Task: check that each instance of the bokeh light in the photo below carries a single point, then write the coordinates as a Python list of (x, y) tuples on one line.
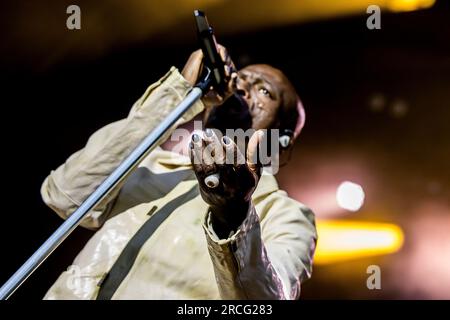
[(350, 196)]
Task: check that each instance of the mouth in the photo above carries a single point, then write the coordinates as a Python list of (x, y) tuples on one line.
[(234, 113)]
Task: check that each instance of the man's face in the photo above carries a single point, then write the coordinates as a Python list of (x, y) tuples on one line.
[(255, 104)]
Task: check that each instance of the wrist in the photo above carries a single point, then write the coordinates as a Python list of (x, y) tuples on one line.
[(227, 219)]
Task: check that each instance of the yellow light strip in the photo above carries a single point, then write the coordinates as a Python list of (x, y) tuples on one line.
[(346, 240), (409, 5)]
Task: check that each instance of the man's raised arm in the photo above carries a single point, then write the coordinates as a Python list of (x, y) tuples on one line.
[(71, 183)]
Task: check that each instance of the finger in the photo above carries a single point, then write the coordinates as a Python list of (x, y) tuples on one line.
[(204, 152), (232, 66), (232, 153), (226, 60), (223, 52), (193, 66), (232, 84), (227, 71), (252, 150), (214, 151), (196, 166), (196, 152), (196, 56), (198, 161)]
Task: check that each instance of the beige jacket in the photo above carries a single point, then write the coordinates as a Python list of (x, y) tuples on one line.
[(182, 258)]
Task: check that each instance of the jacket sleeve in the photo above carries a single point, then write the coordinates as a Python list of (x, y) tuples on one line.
[(270, 255), (71, 183)]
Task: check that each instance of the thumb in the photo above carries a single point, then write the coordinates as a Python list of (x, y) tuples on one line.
[(193, 67), (252, 150)]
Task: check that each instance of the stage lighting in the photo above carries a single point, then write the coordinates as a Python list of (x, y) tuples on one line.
[(346, 240), (350, 196), (409, 5)]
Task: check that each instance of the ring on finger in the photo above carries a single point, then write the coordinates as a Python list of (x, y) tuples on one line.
[(212, 181)]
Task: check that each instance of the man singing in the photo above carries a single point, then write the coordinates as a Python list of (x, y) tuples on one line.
[(185, 224)]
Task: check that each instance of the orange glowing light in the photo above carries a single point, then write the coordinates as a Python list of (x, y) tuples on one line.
[(409, 5), (346, 240)]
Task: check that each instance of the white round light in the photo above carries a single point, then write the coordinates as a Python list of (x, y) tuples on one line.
[(350, 196)]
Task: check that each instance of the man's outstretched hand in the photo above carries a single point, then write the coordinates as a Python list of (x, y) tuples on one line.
[(238, 177)]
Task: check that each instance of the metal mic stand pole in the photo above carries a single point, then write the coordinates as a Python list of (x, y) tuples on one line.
[(138, 154)]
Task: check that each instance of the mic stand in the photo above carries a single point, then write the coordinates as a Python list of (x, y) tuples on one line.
[(136, 156)]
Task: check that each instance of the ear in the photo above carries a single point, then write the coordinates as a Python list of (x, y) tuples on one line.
[(301, 118)]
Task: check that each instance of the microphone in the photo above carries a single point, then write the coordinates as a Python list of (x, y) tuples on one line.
[(208, 44), (213, 61)]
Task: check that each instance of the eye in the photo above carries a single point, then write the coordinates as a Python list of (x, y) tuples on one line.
[(265, 92)]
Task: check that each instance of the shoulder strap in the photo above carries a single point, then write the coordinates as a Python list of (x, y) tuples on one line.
[(123, 264)]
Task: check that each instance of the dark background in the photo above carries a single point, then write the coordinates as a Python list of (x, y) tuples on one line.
[(377, 104)]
